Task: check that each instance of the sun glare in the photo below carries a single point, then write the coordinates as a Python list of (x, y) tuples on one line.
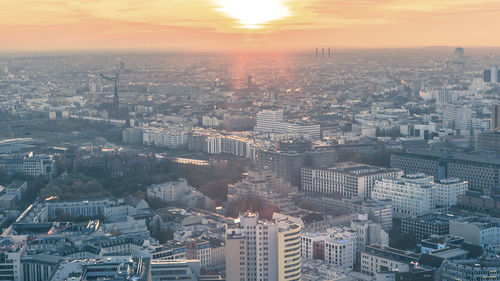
[(253, 13)]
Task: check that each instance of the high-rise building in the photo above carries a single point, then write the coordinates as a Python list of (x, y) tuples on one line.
[(259, 250), (492, 75), (495, 117)]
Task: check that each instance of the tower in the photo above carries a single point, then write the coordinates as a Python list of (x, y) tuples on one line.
[(329, 52), (116, 100), (495, 118), (263, 250), (322, 52), (249, 82)]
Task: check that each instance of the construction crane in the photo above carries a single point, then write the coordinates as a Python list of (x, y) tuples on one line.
[(116, 100)]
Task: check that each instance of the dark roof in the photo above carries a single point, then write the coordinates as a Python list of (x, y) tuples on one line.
[(313, 217), (431, 260), (474, 250)]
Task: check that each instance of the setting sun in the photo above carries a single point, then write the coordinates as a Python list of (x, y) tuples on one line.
[(254, 14)]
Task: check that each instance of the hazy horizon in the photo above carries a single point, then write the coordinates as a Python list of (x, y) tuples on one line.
[(221, 25)]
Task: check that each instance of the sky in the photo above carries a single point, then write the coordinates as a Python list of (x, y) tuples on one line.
[(225, 25)]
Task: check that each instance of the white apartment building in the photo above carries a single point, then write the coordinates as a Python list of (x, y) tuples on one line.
[(29, 163), (347, 179), (174, 139), (337, 246), (270, 121), (340, 252), (310, 241), (263, 250), (368, 233), (415, 195), (448, 190), (482, 232), (169, 191), (378, 258)]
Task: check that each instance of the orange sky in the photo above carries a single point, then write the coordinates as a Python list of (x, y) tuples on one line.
[(207, 25)]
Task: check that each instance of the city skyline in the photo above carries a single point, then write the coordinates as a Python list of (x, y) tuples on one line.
[(220, 25)]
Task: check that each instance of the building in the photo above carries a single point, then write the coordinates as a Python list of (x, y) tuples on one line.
[(174, 138), (379, 211), (346, 179), (488, 141), (482, 172), (259, 182), (418, 163), (495, 117), (473, 269), (309, 221), (492, 75), (340, 252), (39, 267), (422, 227), (175, 270), (169, 191), (11, 252), (368, 233), (17, 188), (29, 163), (313, 245), (180, 250), (270, 121), (448, 192), (263, 250), (411, 195), (336, 247), (132, 136), (478, 231), (378, 258), (299, 145), (415, 195), (477, 201)]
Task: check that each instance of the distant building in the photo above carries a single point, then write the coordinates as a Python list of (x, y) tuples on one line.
[(132, 136), (415, 195), (346, 179), (473, 269), (179, 250), (269, 121), (178, 191), (495, 117), (378, 258), (288, 164), (488, 142), (17, 188), (482, 232), (29, 163), (425, 226), (492, 75), (482, 172), (182, 270)]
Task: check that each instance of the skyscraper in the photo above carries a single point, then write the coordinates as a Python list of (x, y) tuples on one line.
[(495, 118), (259, 250)]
